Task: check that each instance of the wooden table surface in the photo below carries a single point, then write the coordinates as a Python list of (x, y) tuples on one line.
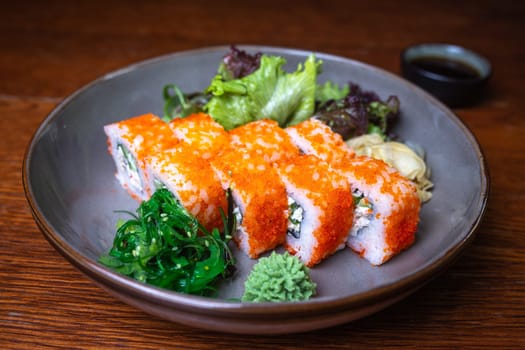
[(51, 48)]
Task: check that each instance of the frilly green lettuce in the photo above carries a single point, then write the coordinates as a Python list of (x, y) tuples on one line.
[(330, 91), (267, 93)]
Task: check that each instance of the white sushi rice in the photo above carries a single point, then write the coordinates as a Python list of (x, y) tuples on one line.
[(306, 241), (130, 176), (301, 142), (370, 238), (240, 235)]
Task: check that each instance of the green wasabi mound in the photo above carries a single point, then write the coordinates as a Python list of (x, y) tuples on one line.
[(279, 277)]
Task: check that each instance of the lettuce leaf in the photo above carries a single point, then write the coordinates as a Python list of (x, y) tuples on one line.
[(330, 91), (267, 93), (359, 112)]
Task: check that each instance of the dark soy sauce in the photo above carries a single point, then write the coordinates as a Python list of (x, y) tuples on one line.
[(446, 67)]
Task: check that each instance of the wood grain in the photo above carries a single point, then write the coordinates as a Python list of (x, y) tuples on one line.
[(49, 49)]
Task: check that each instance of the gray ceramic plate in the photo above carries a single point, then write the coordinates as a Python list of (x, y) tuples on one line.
[(69, 183)]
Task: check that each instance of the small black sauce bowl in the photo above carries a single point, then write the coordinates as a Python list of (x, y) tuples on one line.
[(455, 75)]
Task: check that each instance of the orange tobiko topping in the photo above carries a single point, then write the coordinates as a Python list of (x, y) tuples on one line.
[(330, 193), (318, 139), (200, 132), (147, 134), (266, 139), (195, 184), (257, 185)]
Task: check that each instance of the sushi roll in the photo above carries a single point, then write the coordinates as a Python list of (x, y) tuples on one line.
[(386, 203), (266, 139), (200, 132), (314, 137), (387, 209), (192, 181), (130, 142), (320, 208), (260, 201)]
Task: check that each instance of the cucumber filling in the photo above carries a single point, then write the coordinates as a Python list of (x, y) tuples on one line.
[(129, 169), (295, 218), (363, 213), (237, 213)]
